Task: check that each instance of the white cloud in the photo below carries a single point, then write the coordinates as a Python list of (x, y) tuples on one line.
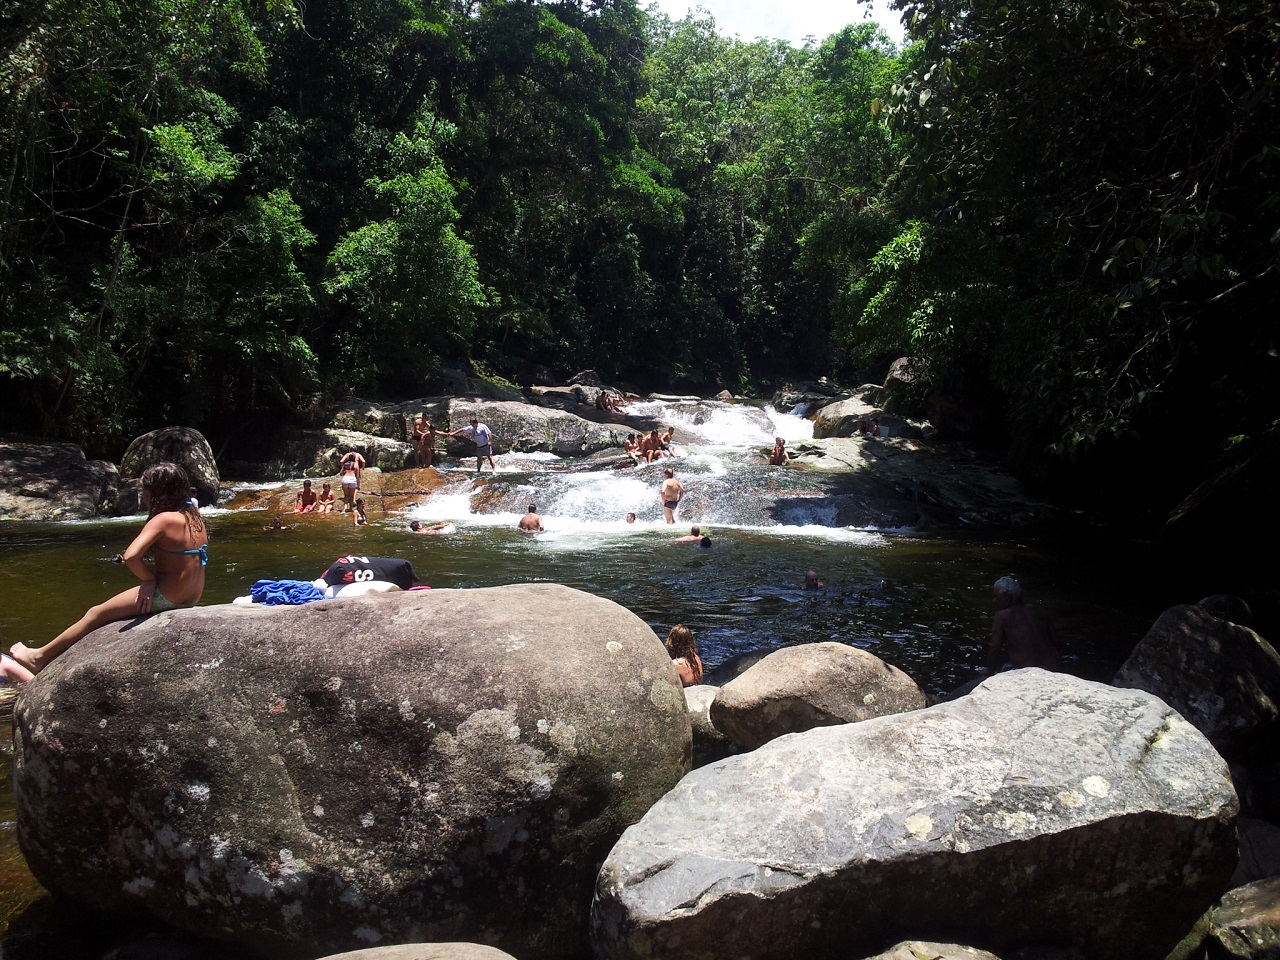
[(790, 20)]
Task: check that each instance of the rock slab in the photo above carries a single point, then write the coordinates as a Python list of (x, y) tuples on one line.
[(810, 685), (1222, 677), (1039, 808), (450, 765), (54, 481)]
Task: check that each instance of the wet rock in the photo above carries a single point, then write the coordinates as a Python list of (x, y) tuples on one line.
[(1224, 678), (54, 481), (940, 483), (1246, 923), (181, 445), (425, 951), (1041, 809), (735, 666), (811, 685), (411, 767), (709, 744)]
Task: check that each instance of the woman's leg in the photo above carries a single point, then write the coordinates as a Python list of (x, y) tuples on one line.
[(123, 606)]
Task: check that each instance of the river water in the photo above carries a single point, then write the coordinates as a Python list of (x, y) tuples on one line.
[(920, 602)]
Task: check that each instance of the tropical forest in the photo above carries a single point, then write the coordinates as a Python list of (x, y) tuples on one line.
[(1064, 214)]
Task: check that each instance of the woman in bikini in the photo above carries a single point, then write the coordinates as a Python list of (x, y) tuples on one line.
[(176, 538), (684, 654)]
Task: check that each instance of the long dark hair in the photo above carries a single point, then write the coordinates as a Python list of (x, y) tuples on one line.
[(168, 488)]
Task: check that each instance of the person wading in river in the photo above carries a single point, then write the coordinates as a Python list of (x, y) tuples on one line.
[(671, 493)]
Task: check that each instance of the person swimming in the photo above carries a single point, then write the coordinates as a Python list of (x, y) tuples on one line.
[(178, 542)]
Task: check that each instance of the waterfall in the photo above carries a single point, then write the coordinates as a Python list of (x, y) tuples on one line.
[(720, 458)]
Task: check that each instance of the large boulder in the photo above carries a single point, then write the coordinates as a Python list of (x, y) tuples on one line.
[(54, 481), (181, 445), (1040, 808), (810, 685), (1221, 676), (391, 421), (840, 419), (410, 767), (527, 428)]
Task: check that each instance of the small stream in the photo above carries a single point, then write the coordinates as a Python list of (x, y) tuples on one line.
[(922, 603)]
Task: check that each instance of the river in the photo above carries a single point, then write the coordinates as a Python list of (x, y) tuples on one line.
[(921, 602)]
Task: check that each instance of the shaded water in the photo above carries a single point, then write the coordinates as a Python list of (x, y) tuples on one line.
[(921, 603)]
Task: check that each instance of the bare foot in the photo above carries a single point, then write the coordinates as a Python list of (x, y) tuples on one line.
[(25, 658), (11, 669)]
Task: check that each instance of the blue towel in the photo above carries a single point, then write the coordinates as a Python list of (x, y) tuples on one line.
[(276, 592)]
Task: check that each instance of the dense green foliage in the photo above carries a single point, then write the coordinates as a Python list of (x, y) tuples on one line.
[(224, 213)]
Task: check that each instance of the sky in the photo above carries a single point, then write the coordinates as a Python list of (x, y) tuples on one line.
[(790, 20)]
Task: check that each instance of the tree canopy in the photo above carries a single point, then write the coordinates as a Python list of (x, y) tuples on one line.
[(225, 213)]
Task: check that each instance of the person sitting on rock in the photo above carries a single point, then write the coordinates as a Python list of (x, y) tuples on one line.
[(324, 503), (778, 456), (306, 499), (1021, 636), (176, 539), (684, 654)]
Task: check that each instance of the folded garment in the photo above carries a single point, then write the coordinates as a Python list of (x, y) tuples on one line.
[(276, 592)]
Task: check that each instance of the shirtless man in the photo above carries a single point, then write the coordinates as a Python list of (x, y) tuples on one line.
[(695, 536), (671, 493), (1020, 635), (306, 499), (531, 522)]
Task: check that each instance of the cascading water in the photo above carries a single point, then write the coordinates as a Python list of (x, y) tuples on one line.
[(720, 459)]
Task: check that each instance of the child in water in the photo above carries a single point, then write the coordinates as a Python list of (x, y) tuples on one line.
[(358, 517), (176, 538)]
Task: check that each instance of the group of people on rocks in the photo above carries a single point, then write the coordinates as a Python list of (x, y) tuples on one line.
[(608, 403), (648, 447)]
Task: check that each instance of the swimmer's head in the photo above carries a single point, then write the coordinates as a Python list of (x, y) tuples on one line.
[(1007, 588), (415, 526), (631, 518), (705, 543)]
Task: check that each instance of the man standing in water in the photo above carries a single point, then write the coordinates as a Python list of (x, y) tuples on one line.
[(483, 438), (531, 522), (671, 493), (1020, 635)]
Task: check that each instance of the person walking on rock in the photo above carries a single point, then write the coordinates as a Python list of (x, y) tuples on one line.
[(483, 438)]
